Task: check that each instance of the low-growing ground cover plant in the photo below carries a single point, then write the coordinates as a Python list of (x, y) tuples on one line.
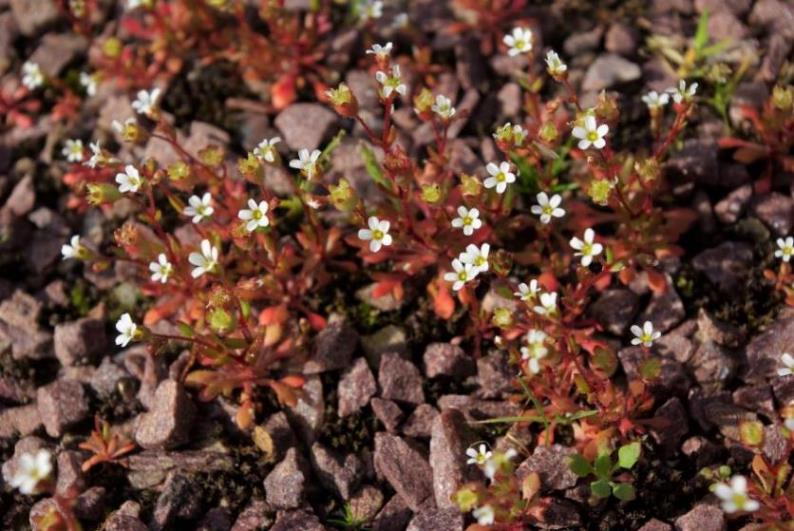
[(240, 271)]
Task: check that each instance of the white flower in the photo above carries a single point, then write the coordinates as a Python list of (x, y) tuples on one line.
[(734, 496), (130, 180), (497, 461), (89, 83), (468, 219), (535, 349), (98, 157), (146, 102), (591, 134), (31, 470), (462, 273), (120, 127), (266, 150), (255, 215), (372, 9), (133, 4), (644, 336), (785, 248), (548, 304), (788, 365), (391, 83), (476, 256), (306, 162), (443, 107), (654, 100), (527, 293), (484, 515), (548, 208), (206, 261), (682, 92), (381, 52), (32, 76), (161, 269), (519, 41), (74, 249), (500, 176), (200, 207), (127, 330), (377, 234), (789, 424), (586, 248), (478, 456), (555, 66), (73, 150)]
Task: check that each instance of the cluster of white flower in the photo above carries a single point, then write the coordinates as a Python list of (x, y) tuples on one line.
[(681, 93), (490, 463), (468, 264)]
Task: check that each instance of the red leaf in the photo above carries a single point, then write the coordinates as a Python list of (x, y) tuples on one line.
[(443, 303), (317, 321), (274, 315), (283, 92), (163, 310), (656, 281)]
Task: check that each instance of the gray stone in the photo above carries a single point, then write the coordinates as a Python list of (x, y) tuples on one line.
[(448, 443), (333, 348), (285, 486), (609, 70), (340, 474), (405, 468), (167, 425), (442, 519), (61, 404), (79, 342), (701, 518), (356, 386), (446, 359), (400, 380), (308, 415), (304, 125), (551, 464)]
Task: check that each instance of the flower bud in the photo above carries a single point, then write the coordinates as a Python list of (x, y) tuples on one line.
[(431, 193), (102, 193), (178, 171), (343, 100), (343, 197), (112, 47), (423, 104)]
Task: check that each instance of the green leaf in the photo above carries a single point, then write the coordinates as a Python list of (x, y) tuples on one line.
[(185, 329), (701, 38), (603, 466), (624, 491), (601, 488), (629, 454), (372, 166), (580, 466)]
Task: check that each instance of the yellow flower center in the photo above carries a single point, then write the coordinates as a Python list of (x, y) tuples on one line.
[(467, 220), (463, 276), (501, 177), (377, 234), (592, 136)]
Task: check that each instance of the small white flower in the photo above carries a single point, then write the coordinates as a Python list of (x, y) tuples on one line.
[(255, 215), (443, 107), (734, 496), (484, 515), (89, 83), (478, 456), (391, 82), (146, 102), (654, 100), (134, 4), (381, 52), (554, 65), (73, 150), (500, 176), (161, 269), (682, 92), (591, 134), (372, 9), (548, 304), (476, 256), (206, 261), (535, 349), (32, 76), (130, 180), (306, 162), (468, 219), (98, 157), (527, 292), (788, 365), (644, 336), (199, 207), (789, 424), (74, 249), (377, 234), (462, 273), (586, 248), (266, 150), (785, 248), (548, 207), (31, 470), (127, 329), (497, 461), (518, 42), (120, 127)]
